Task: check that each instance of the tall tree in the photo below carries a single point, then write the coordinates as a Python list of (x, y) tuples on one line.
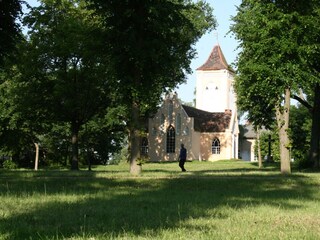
[(271, 64), (310, 50), (64, 68), (10, 31), (15, 134), (151, 46), (284, 37)]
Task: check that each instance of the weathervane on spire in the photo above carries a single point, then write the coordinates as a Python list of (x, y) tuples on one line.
[(216, 35)]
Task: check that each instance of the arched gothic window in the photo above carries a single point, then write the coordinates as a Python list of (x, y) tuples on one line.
[(144, 146), (216, 146), (171, 139), (186, 131)]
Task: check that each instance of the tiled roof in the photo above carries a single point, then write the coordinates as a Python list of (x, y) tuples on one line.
[(248, 131), (216, 61), (207, 121)]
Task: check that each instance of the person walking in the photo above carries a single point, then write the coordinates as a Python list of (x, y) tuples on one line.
[(182, 157)]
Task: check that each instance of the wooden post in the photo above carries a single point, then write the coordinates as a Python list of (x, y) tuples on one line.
[(37, 157), (269, 148), (259, 148)]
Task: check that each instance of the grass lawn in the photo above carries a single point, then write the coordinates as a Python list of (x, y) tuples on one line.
[(221, 200)]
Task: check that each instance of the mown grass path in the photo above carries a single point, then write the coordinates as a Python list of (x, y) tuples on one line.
[(221, 200)]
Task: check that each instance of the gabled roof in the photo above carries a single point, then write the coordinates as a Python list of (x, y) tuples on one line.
[(207, 121), (216, 61), (248, 131)]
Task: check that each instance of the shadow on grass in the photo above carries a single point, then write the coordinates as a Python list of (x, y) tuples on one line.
[(215, 167), (59, 208)]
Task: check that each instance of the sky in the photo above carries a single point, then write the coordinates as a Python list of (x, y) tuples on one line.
[(223, 10)]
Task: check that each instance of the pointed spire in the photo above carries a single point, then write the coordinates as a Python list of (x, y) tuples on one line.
[(216, 60)]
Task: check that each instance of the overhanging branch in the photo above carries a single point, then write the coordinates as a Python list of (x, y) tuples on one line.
[(302, 101)]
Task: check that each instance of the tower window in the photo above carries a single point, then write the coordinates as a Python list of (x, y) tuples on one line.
[(216, 146), (171, 139)]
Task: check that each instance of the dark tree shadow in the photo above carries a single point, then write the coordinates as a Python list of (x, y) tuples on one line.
[(110, 207)]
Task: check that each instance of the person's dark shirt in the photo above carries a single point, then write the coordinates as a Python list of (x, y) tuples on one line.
[(183, 154)]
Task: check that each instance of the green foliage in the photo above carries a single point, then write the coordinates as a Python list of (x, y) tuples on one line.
[(84, 68), (150, 46), (272, 56), (149, 55), (280, 45), (63, 68), (102, 136), (55, 145), (299, 134), (10, 32), (143, 160), (16, 134), (303, 162), (300, 128), (120, 157), (63, 51), (9, 164), (274, 145)]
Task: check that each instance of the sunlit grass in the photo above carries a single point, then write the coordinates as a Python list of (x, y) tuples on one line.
[(221, 200)]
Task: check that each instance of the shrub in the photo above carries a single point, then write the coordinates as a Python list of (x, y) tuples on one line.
[(304, 162), (9, 164)]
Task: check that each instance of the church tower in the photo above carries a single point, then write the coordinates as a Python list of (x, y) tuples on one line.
[(209, 131), (214, 84)]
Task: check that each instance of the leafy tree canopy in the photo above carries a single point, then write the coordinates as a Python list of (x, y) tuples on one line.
[(150, 46), (64, 67), (274, 53), (10, 11)]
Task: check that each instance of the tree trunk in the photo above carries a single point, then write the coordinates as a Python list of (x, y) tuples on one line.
[(89, 159), (36, 161), (259, 149), (282, 114), (135, 168), (75, 146), (315, 129)]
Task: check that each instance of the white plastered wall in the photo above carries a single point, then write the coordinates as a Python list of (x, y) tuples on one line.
[(214, 91)]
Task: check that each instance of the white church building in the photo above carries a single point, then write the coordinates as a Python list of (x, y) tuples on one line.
[(210, 130)]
